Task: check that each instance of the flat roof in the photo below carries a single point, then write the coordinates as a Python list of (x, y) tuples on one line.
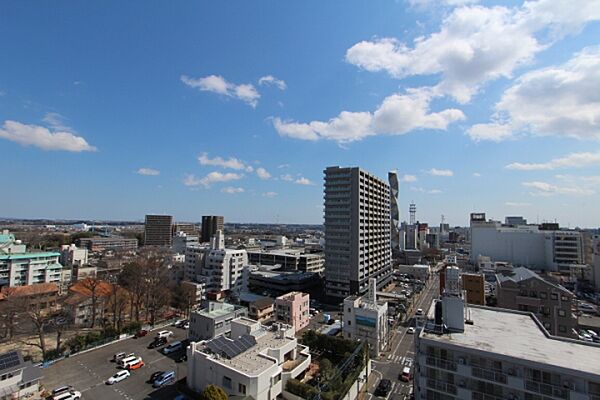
[(517, 335), (221, 309), (17, 256), (252, 361)]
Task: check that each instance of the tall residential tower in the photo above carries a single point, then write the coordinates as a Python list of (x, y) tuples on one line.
[(357, 231), (210, 225)]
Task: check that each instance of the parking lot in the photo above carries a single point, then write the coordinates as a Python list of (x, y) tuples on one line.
[(88, 372)]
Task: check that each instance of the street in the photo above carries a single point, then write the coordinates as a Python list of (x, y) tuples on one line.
[(390, 364), (88, 372)]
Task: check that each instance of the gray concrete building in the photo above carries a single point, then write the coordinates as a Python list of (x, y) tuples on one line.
[(357, 231), (524, 290), (158, 230), (214, 320), (288, 259)]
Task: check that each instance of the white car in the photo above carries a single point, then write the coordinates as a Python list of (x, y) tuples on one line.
[(164, 334), (410, 330), (70, 395), (118, 377)]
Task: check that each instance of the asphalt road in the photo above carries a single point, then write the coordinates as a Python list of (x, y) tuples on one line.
[(88, 372), (402, 348)]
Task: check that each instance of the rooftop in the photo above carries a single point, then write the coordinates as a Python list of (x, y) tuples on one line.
[(216, 309), (17, 256), (518, 335), (521, 274), (253, 361)]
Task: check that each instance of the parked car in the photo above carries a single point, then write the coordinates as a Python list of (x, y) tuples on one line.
[(163, 379), (173, 347), (122, 363), (155, 375), (178, 322), (141, 333), (62, 389), (157, 343), (419, 311), (136, 365), (383, 388), (119, 356), (70, 395), (186, 325), (164, 334), (118, 377), (405, 375), (410, 330)]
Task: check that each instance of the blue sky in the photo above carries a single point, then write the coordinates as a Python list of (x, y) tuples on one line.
[(117, 109)]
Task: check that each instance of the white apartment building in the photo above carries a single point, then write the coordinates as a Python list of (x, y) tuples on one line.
[(529, 245), (182, 240), (503, 354), (225, 269), (365, 320), (357, 231), (71, 255), (19, 268), (255, 362), (193, 261)]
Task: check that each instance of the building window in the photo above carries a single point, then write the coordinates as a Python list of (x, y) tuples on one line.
[(349, 323), (241, 388), (554, 296), (561, 313), (543, 295), (227, 382)]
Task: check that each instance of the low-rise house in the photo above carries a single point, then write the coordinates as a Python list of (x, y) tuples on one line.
[(18, 379), (256, 362), (81, 298), (262, 309), (42, 296)]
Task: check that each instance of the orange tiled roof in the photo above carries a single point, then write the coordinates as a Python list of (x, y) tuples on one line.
[(29, 290), (103, 288)]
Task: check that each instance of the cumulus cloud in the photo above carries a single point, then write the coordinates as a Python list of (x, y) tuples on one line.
[(231, 163), (262, 173), (271, 80), (269, 194), (476, 44), (440, 172), (398, 114), (217, 84), (232, 190), (573, 160), (547, 189), (303, 181), (560, 100), (408, 178), (148, 171), (44, 138), (209, 179)]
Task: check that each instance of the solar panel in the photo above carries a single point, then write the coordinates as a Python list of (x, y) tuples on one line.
[(9, 360), (231, 348)]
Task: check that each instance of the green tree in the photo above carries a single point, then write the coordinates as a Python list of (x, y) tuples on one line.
[(213, 392)]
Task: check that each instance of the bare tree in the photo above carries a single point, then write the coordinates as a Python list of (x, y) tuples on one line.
[(40, 320), (11, 310), (118, 300), (155, 275), (92, 285), (132, 279)]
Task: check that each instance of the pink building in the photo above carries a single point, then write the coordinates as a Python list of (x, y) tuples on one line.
[(293, 309)]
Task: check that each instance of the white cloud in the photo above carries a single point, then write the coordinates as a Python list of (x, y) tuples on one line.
[(494, 132), (283, 166), (304, 181), (426, 4), (398, 114), (217, 84), (559, 100), (231, 162), (440, 172), (419, 189), (262, 173), (476, 44), (408, 178), (39, 136), (573, 160), (57, 122), (547, 189), (476, 174), (148, 171), (269, 194), (434, 191), (271, 80), (516, 204), (232, 190), (286, 177), (209, 179)]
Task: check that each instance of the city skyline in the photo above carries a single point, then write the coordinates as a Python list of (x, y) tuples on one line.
[(201, 109)]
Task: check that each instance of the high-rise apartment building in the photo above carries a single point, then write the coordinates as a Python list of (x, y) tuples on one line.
[(210, 225), (357, 231), (158, 230)]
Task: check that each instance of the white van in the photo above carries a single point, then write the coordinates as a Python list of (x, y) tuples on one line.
[(72, 395), (126, 360), (164, 334), (173, 347)]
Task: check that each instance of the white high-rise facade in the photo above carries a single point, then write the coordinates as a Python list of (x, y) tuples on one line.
[(357, 231)]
